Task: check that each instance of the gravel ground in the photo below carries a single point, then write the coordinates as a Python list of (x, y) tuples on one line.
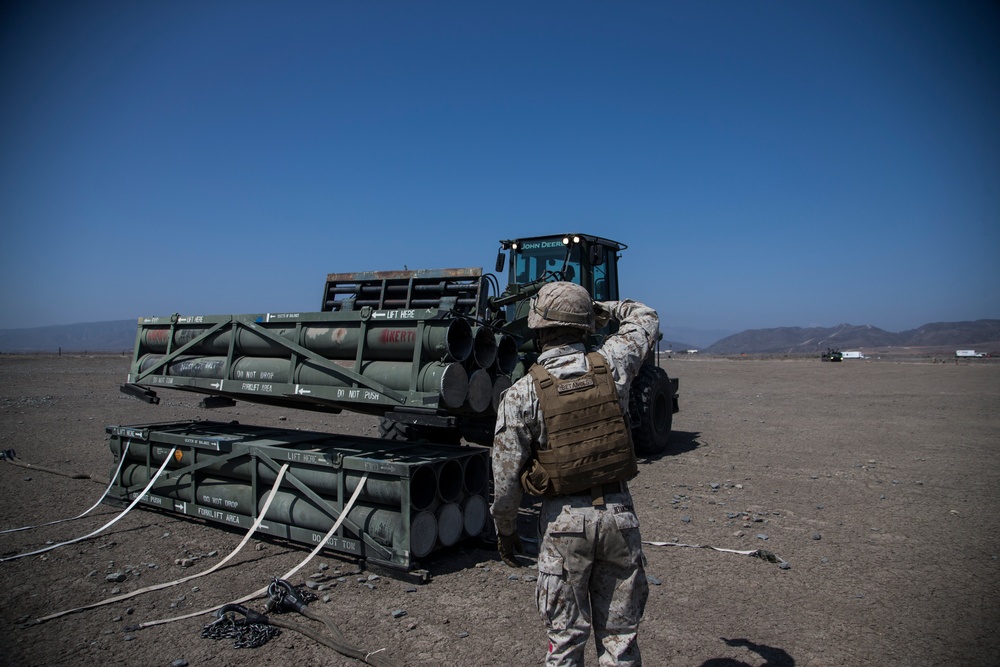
[(876, 481)]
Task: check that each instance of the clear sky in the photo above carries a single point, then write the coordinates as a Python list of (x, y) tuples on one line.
[(768, 163)]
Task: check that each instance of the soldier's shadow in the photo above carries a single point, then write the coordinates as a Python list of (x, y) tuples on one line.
[(773, 657), (681, 442)]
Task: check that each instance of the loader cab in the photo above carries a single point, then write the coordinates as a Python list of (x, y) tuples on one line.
[(589, 261)]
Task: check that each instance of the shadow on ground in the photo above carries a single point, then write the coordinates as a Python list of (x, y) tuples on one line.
[(681, 442), (773, 657)]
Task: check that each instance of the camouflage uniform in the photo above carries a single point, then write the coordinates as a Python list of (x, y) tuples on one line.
[(590, 563)]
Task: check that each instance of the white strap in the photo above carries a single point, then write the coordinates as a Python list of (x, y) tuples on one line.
[(156, 587), (114, 478), (105, 526), (750, 552), (287, 575)]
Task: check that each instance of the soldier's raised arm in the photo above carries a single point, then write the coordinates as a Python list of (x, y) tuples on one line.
[(638, 331)]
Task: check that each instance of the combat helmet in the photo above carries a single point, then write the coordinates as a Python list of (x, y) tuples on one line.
[(562, 304)]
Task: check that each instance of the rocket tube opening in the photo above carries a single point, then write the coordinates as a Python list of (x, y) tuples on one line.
[(480, 394), (450, 478), (473, 515), (501, 383), (459, 340), (423, 487), (477, 472), (506, 357), (423, 533), (484, 349), (453, 384), (450, 523)]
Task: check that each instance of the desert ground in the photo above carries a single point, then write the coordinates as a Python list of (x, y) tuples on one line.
[(877, 482)]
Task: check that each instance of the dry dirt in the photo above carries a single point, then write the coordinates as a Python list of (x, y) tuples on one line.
[(876, 481)]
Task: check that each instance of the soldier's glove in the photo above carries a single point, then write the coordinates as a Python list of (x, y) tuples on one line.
[(602, 315), (507, 545)]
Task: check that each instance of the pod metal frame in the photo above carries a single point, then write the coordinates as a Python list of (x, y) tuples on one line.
[(221, 472), (369, 361)]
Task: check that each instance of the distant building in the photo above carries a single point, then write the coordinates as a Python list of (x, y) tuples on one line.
[(969, 353), (853, 354)]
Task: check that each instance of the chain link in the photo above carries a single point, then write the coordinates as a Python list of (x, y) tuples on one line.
[(279, 591), (253, 635), (247, 635)]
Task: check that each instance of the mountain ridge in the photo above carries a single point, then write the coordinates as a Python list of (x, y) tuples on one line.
[(813, 340)]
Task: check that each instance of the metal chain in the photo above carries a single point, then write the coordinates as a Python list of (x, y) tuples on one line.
[(253, 635), (278, 591), (247, 635)]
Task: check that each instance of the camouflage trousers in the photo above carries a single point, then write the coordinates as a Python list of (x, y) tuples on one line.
[(591, 575)]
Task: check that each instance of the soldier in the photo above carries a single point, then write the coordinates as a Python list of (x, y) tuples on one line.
[(562, 433)]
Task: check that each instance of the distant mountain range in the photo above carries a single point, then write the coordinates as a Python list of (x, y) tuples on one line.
[(115, 336), (982, 335)]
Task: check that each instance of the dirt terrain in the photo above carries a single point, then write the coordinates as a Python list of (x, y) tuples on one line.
[(876, 481)]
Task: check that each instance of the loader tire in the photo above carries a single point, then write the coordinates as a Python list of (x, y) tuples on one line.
[(389, 429), (651, 410)]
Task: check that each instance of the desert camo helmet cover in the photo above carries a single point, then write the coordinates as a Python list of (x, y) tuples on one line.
[(562, 304)]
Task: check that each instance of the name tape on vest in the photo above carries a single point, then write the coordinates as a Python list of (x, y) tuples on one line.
[(574, 385)]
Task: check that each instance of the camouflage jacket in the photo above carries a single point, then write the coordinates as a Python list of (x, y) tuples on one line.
[(519, 422)]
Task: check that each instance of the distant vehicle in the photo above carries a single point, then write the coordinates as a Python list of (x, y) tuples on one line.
[(969, 353), (832, 354), (852, 354)]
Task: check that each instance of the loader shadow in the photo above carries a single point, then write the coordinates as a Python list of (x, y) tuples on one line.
[(773, 657), (681, 442)]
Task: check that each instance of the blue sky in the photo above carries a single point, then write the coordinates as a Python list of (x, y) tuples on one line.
[(767, 163)]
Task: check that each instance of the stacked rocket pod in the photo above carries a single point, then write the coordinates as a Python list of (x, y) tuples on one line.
[(417, 498)]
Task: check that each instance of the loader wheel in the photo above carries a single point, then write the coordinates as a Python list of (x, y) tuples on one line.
[(389, 429), (651, 410)]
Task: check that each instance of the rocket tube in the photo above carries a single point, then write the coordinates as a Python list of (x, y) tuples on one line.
[(484, 348), (450, 480), (506, 357), (480, 394), (155, 339), (385, 341), (501, 383), (450, 523), (188, 366), (449, 380), (477, 473), (473, 514), (441, 339)]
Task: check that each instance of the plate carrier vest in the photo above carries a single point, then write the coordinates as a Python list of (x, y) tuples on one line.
[(589, 442)]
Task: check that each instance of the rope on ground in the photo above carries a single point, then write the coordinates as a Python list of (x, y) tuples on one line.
[(763, 554), (288, 575), (156, 587), (53, 471), (105, 526), (73, 476)]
